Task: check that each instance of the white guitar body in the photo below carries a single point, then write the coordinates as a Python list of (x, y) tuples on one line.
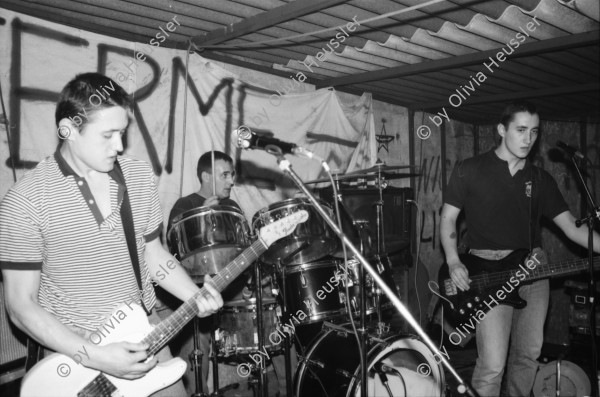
[(59, 375)]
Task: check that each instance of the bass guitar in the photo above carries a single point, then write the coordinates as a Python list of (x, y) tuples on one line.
[(495, 282), (60, 375)]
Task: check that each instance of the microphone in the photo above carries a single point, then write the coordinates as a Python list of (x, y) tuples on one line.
[(248, 139), (574, 152), (380, 369)]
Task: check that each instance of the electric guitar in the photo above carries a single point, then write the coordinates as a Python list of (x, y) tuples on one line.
[(59, 375), (495, 282)]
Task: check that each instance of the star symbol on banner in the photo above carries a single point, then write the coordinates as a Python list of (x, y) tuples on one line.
[(383, 139)]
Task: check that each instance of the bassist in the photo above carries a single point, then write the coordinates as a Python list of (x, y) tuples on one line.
[(504, 196)]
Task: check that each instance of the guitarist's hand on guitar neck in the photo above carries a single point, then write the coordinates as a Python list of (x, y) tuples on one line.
[(459, 274), (206, 305), (121, 359)]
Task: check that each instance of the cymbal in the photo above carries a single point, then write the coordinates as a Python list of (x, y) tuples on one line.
[(380, 168), (371, 172), (347, 177)]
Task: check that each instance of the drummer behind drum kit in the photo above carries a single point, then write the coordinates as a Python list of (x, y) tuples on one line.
[(317, 285)]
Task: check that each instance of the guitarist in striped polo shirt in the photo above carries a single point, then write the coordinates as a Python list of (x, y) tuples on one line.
[(504, 196), (72, 230)]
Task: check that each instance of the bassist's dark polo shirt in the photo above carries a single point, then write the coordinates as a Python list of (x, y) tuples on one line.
[(483, 186)]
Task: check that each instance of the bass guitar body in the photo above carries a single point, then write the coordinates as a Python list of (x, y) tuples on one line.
[(489, 278)]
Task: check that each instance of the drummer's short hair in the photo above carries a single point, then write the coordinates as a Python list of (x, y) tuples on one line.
[(205, 162)]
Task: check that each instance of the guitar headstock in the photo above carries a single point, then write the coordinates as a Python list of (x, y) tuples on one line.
[(282, 227)]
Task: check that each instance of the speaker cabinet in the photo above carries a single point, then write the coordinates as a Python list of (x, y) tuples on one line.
[(397, 216)]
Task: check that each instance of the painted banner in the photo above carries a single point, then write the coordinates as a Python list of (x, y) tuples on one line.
[(44, 56)]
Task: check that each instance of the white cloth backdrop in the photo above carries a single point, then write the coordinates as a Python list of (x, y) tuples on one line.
[(40, 57)]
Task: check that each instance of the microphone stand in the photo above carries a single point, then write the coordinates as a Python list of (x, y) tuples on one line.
[(286, 167), (590, 219)]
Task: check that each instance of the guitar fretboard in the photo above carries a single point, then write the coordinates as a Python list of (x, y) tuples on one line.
[(537, 273), (169, 327)]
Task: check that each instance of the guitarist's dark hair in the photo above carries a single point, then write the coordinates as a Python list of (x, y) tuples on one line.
[(515, 107)]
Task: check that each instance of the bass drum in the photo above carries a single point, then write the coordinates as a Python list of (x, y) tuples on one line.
[(331, 367)]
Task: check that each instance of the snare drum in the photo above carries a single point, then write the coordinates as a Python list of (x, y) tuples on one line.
[(206, 239), (332, 367), (310, 241), (311, 291), (237, 333)]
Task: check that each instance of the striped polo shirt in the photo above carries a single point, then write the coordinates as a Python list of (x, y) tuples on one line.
[(49, 220)]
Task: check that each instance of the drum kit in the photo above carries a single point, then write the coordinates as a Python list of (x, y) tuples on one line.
[(313, 284)]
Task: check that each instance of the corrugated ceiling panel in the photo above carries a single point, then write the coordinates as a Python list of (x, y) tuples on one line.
[(565, 18), (590, 9), (405, 47), (450, 28), (454, 33)]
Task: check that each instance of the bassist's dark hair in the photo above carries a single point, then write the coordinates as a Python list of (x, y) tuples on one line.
[(513, 108)]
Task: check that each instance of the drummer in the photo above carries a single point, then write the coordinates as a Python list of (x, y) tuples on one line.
[(207, 196)]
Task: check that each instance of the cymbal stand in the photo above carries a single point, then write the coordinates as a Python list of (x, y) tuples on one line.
[(287, 341), (262, 366), (363, 326), (286, 167), (196, 362), (362, 304), (214, 359), (381, 184)]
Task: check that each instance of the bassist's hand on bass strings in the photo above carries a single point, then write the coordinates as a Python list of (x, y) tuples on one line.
[(459, 275)]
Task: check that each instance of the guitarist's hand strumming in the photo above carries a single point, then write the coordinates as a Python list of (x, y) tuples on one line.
[(122, 359)]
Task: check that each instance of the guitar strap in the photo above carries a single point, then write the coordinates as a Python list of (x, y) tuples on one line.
[(534, 204), (35, 352), (129, 229)]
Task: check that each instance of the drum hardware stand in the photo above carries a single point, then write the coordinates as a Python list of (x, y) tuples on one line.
[(286, 167), (381, 184), (196, 361), (592, 217), (287, 342), (215, 364), (262, 369), (363, 335)]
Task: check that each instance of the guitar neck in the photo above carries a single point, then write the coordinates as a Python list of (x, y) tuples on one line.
[(169, 327), (540, 271), (561, 268)]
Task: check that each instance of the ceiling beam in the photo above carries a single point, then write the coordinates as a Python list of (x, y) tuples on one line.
[(275, 16), (543, 92), (286, 73), (525, 50)]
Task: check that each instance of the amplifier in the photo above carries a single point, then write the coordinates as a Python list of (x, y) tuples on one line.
[(579, 312)]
